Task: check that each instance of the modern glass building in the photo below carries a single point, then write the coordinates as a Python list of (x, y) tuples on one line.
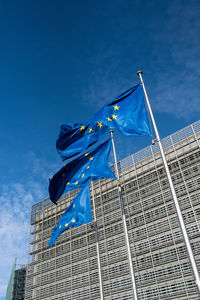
[(16, 285), (69, 270)]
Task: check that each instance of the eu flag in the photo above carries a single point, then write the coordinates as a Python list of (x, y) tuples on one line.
[(127, 113), (76, 214), (74, 138), (88, 166)]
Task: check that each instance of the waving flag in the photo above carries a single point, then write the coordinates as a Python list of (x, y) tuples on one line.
[(77, 214), (126, 113), (90, 165), (74, 138)]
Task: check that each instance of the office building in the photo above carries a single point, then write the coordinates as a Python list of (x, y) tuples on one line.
[(69, 270), (16, 285)]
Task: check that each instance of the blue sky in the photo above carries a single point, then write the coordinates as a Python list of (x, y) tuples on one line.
[(61, 61)]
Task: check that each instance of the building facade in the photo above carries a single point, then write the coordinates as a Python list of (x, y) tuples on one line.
[(16, 285), (69, 271)]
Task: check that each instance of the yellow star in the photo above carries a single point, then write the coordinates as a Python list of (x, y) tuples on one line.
[(116, 107), (91, 158), (76, 182), (88, 167), (86, 154), (109, 119), (67, 183), (83, 175), (65, 165), (114, 116), (91, 130), (82, 127), (73, 221), (60, 226), (73, 205), (99, 124), (66, 225), (63, 174)]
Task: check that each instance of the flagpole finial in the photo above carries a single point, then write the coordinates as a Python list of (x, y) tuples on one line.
[(139, 72)]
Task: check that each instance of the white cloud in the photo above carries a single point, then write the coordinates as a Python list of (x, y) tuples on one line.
[(15, 204), (16, 200), (176, 89), (39, 169), (166, 46)]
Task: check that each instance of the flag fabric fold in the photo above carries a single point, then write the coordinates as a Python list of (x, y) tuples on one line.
[(76, 214), (74, 138), (89, 166), (127, 113)]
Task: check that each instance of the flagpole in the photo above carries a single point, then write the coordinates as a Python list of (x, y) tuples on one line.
[(178, 210), (97, 245), (124, 219)]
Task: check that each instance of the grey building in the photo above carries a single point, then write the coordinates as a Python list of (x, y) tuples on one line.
[(69, 271)]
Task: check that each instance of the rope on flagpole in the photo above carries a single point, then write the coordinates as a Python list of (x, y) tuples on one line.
[(178, 210)]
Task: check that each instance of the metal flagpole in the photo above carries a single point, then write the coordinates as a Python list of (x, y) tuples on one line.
[(178, 210), (97, 244), (124, 219)]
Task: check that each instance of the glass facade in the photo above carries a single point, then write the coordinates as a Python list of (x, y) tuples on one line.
[(16, 285), (68, 270), (19, 284)]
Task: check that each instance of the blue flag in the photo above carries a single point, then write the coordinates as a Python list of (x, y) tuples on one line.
[(77, 214), (90, 165), (126, 112), (74, 138)]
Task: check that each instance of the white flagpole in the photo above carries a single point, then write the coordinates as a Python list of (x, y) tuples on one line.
[(97, 245), (124, 220), (178, 210)]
